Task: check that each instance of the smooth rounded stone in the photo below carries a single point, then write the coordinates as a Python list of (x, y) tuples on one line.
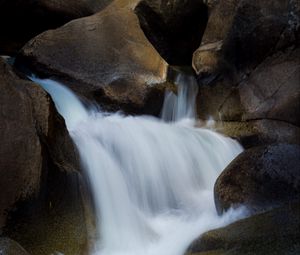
[(260, 178), (275, 232), (22, 20), (21, 150), (175, 28), (101, 58), (39, 171), (10, 247), (30, 130)]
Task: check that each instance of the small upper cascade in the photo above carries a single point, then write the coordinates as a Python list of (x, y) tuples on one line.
[(181, 106)]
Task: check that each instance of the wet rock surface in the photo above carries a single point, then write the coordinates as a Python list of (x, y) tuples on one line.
[(260, 178), (275, 232)]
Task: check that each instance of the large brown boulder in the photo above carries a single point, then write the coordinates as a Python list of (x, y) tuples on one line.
[(248, 62), (241, 33), (275, 232), (262, 109), (105, 57), (175, 28), (38, 168), (22, 20), (271, 91), (21, 150), (260, 178)]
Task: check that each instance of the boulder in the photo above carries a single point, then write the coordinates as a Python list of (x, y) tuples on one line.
[(248, 62), (240, 34), (270, 92), (260, 178), (10, 247), (220, 101), (105, 57), (40, 183), (22, 20), (275, 232), (175, 28), (21, 150)]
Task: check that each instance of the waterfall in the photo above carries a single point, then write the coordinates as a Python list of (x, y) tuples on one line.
[(181, 106), (152, 179)]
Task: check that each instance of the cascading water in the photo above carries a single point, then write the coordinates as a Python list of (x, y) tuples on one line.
[(181, 106), (152, 181)]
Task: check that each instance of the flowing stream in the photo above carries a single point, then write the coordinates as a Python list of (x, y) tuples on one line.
[(152, 179)]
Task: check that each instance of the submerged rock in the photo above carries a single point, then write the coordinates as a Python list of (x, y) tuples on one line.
[(275, 232), (105, 57), (260, 178), (10, 247), (22, 20)]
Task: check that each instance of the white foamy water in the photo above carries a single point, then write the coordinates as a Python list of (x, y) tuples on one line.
[(152, 181)]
